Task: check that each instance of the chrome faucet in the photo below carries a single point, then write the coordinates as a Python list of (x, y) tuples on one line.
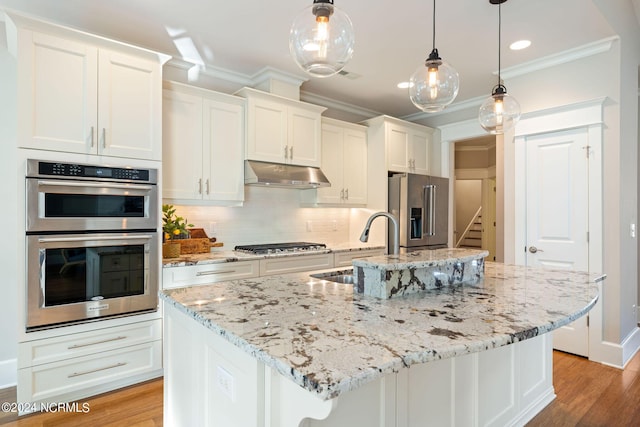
[(396, 239)]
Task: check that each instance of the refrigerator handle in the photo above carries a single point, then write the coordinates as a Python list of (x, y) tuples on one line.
[(430, 208)]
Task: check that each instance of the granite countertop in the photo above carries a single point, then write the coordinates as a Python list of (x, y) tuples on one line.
[(420, 259), (330, 340), (218, 256)]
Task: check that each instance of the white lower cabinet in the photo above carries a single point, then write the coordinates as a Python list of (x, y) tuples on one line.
[(71, 367), (345, 259), (175, 277)]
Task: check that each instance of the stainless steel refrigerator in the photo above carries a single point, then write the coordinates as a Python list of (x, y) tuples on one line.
[(421, 204)]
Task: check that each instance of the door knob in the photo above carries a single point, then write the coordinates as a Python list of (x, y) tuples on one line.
[(533, 249)]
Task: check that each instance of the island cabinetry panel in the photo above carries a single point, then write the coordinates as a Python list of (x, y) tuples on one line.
[(82, 97), (209, 379), (282, 130), (72, 366), (344, 162), (203, 146), (175, 277), (292, 264), (406, 145), (345, 259)]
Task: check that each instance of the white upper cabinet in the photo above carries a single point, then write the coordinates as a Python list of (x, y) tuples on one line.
[(344, 162), (80, 97), (406, 144), (203, 146), (282, 130)]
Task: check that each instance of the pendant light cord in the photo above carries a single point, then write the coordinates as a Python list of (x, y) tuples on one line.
[(499, 39), (434, 24)]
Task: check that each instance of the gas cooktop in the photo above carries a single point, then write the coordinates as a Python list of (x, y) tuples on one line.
[(276, 248)]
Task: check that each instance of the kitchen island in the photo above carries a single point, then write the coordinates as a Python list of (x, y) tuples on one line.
[(294, 350)]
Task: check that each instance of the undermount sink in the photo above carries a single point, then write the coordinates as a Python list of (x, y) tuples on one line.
[(336, 276)]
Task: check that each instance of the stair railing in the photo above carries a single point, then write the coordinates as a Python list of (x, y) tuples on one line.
[(469, 226)]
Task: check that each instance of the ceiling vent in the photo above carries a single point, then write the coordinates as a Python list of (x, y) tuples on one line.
[(349, 75)]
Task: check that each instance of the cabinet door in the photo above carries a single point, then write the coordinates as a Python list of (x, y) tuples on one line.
[(304, 137), (332, 164), (57, 94), (267, 131), (130, 106), (397, 148), (355, 167), (182, 146), (419, 152), (223, 151)]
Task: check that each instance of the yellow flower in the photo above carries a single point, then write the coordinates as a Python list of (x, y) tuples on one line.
[(176, 232)]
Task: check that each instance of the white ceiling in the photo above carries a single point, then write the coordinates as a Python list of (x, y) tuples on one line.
[(392, 38)]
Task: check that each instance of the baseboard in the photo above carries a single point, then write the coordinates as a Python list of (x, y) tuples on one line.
[(534, 408), (617, 355), (8, 373)]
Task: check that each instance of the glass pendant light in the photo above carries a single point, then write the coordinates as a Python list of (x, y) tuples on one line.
[(500, 112), (435, 84), (321, 39)]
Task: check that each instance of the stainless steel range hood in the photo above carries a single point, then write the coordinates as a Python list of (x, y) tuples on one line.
[(287, 176)]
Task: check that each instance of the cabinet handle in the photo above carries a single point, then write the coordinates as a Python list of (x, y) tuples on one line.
[(93, 141), (71, 347), (212, 272), (200, 186), (346, 194), (77, 374), (286, 151), (104, 138), (207, 185), (291, 153)]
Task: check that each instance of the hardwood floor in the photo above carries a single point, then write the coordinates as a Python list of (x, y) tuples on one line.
[(135, 406), (588, 395)]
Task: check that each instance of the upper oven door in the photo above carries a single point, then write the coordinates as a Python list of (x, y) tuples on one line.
[(75, 205)]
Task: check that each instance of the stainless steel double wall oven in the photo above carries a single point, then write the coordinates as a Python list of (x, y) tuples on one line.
[(92, 242)]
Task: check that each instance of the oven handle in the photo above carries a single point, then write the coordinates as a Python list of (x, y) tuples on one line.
[(92, 237), (96, 185)]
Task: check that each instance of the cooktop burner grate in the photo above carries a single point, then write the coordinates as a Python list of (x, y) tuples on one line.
[(274, 248)]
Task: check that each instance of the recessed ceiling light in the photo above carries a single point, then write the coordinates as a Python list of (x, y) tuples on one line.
[(404, 85), (520, 44)]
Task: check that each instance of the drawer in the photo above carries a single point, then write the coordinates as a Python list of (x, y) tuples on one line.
[(48, 350), (292, 264), (175, 277), (344, 259), (55, 379)]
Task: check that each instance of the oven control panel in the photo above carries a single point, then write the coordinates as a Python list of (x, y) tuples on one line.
[(72, 170)]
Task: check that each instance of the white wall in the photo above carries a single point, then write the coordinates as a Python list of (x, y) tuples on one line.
[(9, 283)]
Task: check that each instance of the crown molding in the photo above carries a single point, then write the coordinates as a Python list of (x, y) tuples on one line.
[(570, 55), (456, 106), (313, 98)]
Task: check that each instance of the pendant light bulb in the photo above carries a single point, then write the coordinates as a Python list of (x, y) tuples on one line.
[(435, 84), (321, 39), (500, 112)]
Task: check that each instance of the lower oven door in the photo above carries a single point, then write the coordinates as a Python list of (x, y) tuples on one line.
[(83, 277)]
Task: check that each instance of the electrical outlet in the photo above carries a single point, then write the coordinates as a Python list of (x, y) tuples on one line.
[(213, 228), (334, 225), (632, 230), (309, 226), (226, 383)]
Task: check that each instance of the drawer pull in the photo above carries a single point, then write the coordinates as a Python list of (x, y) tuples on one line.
[(78, 374), (72, 347), (211, 272)]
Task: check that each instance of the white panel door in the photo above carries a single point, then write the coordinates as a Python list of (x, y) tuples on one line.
[(355, 166), (557, 215), (267, 131), (304, 137), (397, 149), (419, 153)]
